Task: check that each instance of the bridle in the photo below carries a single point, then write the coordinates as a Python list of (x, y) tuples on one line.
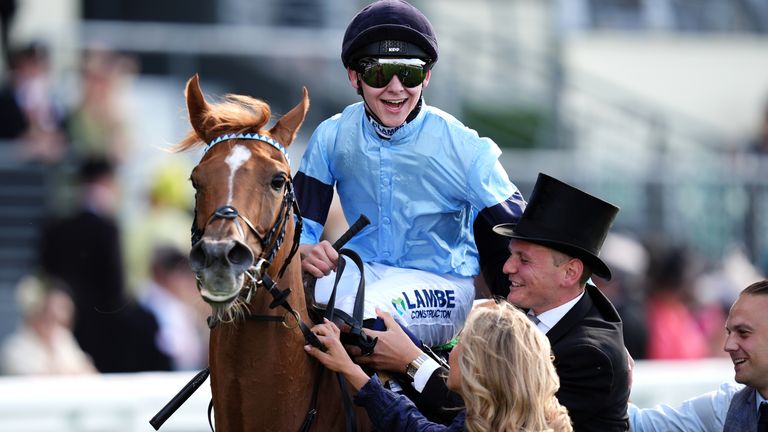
[(271, 242)]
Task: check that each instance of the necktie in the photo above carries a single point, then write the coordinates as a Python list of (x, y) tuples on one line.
[(533, 319), (762, 418)]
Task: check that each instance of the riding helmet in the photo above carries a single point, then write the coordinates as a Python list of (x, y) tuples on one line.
[(389, 28)]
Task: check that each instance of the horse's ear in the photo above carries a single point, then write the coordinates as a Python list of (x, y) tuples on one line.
[(197, 107), (285, 130)]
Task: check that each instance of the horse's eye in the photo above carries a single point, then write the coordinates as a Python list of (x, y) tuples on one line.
[(278, 182)]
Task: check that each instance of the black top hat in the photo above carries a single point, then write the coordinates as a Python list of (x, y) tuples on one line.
[(566, 219)]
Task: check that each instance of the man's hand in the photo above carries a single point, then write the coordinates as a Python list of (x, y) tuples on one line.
[(394, 350), (318, 259)]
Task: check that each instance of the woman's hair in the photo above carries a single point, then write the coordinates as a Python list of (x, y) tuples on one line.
[(508, 380)]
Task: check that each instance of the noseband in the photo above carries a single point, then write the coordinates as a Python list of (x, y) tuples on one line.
[(276, 234)]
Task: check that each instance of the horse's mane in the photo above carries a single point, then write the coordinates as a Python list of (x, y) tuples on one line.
[(234, 114)]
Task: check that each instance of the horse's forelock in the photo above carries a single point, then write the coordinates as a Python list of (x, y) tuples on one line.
[(238, 113), (235, 114)]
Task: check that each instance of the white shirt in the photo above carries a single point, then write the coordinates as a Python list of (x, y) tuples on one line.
[(548, 319), (422, 375), (705, 413), (178, 335)]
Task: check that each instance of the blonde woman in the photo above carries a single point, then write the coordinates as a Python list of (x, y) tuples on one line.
[(502, 368)]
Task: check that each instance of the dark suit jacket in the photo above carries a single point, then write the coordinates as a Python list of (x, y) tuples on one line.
[(590, 360), (84, 251)]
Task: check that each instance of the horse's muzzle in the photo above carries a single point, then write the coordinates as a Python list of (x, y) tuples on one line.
[(225, 254), (220, 267)]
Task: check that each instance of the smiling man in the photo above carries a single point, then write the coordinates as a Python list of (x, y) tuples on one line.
[(418, 174), (553, 251), (732, 407)]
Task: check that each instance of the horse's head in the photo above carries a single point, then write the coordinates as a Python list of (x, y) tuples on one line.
[(244, 195)]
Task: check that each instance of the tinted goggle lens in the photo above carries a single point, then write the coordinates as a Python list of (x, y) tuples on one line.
[(378, 73)]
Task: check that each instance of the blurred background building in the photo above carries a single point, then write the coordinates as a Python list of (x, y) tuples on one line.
[(660, 106)]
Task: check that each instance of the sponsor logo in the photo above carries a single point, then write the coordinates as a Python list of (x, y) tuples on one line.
[(399, 305), (426, 303), (431, 298)]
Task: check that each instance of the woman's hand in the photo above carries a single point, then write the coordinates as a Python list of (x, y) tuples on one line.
[(394, 350), (318, 259), (336, 357)]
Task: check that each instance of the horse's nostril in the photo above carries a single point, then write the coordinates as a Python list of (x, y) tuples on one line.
[(240, 255), (211, 254), (197, 257)]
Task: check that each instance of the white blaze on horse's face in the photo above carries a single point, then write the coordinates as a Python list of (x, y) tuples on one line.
[(221, 263), (238, 156)]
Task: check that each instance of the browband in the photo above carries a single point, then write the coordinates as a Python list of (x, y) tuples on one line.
[(249, 136)]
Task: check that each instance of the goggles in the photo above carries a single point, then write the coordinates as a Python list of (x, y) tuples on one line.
[(378, 72)]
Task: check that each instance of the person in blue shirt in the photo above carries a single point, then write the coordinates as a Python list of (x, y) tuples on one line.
[(732, 407), (418, 174), (502, 368)]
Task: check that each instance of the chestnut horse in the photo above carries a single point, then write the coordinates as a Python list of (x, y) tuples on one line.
[(244, 235)]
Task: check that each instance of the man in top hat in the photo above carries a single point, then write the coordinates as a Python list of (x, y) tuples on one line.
[(553, 251)]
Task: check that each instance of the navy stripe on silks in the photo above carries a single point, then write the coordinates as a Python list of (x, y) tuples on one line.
[(508, 211), (493, 248), (314, 197)]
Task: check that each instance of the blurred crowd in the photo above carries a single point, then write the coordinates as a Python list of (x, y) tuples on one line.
[(112, 296), (105, 295), (672, 301)]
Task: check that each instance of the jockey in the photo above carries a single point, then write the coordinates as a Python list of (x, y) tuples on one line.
[(416, 172)]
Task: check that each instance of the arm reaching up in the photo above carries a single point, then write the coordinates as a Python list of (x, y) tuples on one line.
[(336, 358)]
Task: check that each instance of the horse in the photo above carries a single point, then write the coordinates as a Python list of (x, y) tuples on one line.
[(244, 244)]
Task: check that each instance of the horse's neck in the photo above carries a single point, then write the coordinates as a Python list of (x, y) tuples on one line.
[(292, 278), (262, 379), (260, 373)]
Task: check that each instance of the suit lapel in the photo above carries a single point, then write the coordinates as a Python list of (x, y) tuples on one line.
[(573, 316)]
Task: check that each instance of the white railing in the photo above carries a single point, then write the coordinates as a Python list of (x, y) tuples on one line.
[(99, 403), (126, 402)]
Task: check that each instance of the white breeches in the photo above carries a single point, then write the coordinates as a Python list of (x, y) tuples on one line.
[(433, 307)]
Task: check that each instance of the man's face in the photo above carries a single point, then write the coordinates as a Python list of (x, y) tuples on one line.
[(533, 276), (392, 103), (747, 340)]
